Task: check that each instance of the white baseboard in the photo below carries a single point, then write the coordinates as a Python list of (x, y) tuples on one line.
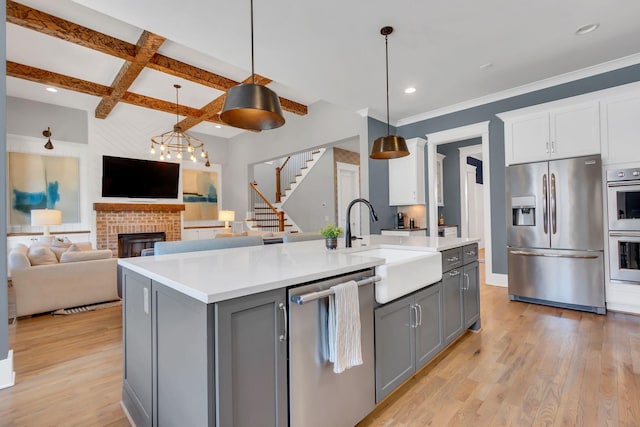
[(496, 279), (7, 374)]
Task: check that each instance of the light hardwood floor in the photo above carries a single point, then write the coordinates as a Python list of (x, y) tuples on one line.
[(530, 365)]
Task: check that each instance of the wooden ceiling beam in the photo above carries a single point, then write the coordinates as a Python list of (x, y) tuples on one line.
[(147, 46), (50, 78), (62, 81), (53, 26)]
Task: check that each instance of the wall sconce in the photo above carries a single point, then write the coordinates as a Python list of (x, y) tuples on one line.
[(47, 134)]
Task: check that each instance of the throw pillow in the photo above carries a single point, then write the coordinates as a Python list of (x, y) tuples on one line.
[(65, 243), (45, 240), (58, 251), (41, 255), (80, 246), (85, 255), (18, 258)]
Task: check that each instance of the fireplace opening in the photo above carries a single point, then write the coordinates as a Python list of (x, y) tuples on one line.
[(130, 245)]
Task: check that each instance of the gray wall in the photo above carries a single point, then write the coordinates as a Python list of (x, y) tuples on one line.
[(4, 303), (379, 181), (305, 204), (451, 180), (30, 118), (496, 139), (265, 175)]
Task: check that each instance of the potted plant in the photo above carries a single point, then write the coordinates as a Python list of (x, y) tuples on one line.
[(331, 233)]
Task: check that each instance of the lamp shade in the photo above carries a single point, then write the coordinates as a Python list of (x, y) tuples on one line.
[(389, 147), (253, 107), (226, 216), (40, 217)]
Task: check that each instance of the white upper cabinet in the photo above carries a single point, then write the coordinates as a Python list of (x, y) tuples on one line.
[(621, 127), (406, 176), (550, 132)]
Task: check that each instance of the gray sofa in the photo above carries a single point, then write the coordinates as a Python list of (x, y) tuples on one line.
[(174, 247)]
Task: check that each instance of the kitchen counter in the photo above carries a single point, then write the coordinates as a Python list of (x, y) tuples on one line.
[(212, 276)]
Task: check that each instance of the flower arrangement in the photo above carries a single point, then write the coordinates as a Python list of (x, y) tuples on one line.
[(331, 231)]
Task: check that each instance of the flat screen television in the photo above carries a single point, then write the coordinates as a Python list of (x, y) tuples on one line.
[(134, 178)]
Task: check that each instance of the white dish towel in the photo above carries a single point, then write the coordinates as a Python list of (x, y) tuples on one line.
[(343, 329)]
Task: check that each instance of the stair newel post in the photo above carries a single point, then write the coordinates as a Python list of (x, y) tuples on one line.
[(280, 220), (278, 186)]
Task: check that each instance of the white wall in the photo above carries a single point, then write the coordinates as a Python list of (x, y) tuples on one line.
[(324, 124), (125, 133)]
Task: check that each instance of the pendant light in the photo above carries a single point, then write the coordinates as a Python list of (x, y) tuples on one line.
[(251, 106), (390, 146)]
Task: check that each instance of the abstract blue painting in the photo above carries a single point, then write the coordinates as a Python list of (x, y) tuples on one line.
[(39, 182), (200, 195)]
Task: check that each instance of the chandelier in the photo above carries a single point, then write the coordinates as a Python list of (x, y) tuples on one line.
[(178, 142)]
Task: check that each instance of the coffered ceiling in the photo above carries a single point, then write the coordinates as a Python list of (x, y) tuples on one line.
[(307, 51)]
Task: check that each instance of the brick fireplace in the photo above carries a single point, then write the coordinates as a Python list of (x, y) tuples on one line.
[(126, 218)]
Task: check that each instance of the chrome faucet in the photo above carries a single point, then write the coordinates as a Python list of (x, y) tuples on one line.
[(347, 233)]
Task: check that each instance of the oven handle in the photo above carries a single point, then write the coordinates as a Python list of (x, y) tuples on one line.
[(525, 253), (624, 233), (623, 183)]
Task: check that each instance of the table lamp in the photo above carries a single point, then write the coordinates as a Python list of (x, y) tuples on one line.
[(45, 218), (226, 216)]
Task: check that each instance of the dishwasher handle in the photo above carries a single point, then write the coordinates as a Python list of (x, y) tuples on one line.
[(312, 296)]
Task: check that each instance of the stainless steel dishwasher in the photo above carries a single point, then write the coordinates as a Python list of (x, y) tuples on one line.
[(318, 396)]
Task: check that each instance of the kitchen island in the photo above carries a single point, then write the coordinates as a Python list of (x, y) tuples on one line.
[(205, 333)]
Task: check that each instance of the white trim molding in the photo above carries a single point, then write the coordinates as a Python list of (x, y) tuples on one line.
[(475, 130), (7, 374), (526, 88), (464, 152)]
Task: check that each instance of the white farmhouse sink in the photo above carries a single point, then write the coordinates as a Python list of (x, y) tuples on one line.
[(404, 271)]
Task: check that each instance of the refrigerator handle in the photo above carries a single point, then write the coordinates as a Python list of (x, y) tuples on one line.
[(553, 203), (545, 214)]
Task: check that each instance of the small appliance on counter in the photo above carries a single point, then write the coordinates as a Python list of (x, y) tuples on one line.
[(412, 224), (400, 220)]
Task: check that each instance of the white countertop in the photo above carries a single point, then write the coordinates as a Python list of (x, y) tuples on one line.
[(218, 275)]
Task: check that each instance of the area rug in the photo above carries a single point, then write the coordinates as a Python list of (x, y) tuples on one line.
[(85, 308)]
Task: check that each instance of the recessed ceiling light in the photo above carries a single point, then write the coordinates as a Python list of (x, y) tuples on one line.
[(218, 127), (410, 90), (487, 65), (586, 29), (52, 89)]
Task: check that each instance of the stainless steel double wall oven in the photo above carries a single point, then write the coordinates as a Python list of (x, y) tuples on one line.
[(623, 201)]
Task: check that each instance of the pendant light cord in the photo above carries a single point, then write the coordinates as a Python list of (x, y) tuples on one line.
[(177, 115), (386, 48), (253, 75)]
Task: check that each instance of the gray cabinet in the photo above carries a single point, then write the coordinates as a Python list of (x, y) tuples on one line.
[(168, 374), (408, 334), (452, 304), (471, 295), (251, 360), (137, 370)]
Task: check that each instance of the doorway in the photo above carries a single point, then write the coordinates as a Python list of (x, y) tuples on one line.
[(458, 134), (348, 177), (471, 193)]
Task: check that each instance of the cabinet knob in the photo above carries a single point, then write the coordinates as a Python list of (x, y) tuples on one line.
[(452, 259)]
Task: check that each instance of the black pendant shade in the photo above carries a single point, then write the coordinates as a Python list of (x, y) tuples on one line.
[(47, 134), (253, 107), (390, 146)]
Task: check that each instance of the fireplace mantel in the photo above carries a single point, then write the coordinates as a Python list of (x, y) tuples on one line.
[(124, 218), (133, 207)]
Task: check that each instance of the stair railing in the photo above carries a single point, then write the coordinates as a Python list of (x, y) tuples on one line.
[(259, 204), (290, 169)]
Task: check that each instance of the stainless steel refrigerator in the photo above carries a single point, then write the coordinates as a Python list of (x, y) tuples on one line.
[(555, 233)]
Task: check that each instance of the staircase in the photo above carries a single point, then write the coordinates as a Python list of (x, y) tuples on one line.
[(267, 216), (293, 171)]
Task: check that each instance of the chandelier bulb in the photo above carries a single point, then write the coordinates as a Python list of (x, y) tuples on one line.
[(162, 147), (168, 155), (161, 156), (193, 158), (179, 156), (153, 150)]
